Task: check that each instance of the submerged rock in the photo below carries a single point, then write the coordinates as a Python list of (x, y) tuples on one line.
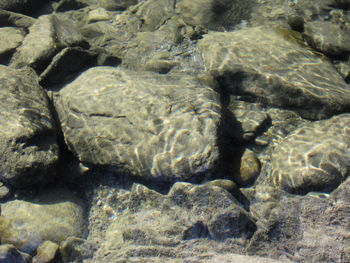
[(315, 157), (274, 67), (161, 127), (214, 14), (47, 36), (168, 225), (10, 38), (28, 134), (54, 215), (328, 37), (9, 253)]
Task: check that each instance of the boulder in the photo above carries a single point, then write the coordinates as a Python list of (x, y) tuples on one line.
[(161, 127), (28, 133), (315, 157), (275, 67)]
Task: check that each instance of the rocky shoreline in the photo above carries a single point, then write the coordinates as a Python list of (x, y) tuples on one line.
[(174, 131)]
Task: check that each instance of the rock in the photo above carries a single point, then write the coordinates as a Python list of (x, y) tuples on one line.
[(160, 127), (10, 38), (251, 117), (313, 157), (48, 252), (222, 14), (295, 78), (28, 133), (228, 185), (112, 5), (150, 51), (53, 215), (276, 13), (66, 65), (47, 36), (72, 249), (328, 37), (9, 254), (313, 227), (154, 13), (10, 19), (168, 225), (99, 14), (343, 69), (250, 168)]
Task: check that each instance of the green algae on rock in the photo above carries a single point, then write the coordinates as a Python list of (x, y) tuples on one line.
[(260, 64)]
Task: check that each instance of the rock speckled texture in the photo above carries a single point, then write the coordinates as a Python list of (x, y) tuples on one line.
[(145, 124), (28, 133), (271, 66), (313, 157), (224, 93), (170, 224)]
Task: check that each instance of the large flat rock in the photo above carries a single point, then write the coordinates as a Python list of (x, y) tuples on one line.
[(275, 67), (141, 123), (28, 140)]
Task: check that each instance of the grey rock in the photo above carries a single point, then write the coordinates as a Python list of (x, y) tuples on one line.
[(276, 13), (28, 133), (112, 5), (314, 157), (328, 37), (9, 253), (274, 67), (168, 225), (251, 117), (12, 19), (307, 228), (47, 36), (154, 126), (10, 38), (222, 14), (54, 214)]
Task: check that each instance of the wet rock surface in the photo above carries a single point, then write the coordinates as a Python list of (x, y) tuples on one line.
[(28, 132), (53, 215), (289, 76), (181, 131), (313, 157), (161, 127)]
